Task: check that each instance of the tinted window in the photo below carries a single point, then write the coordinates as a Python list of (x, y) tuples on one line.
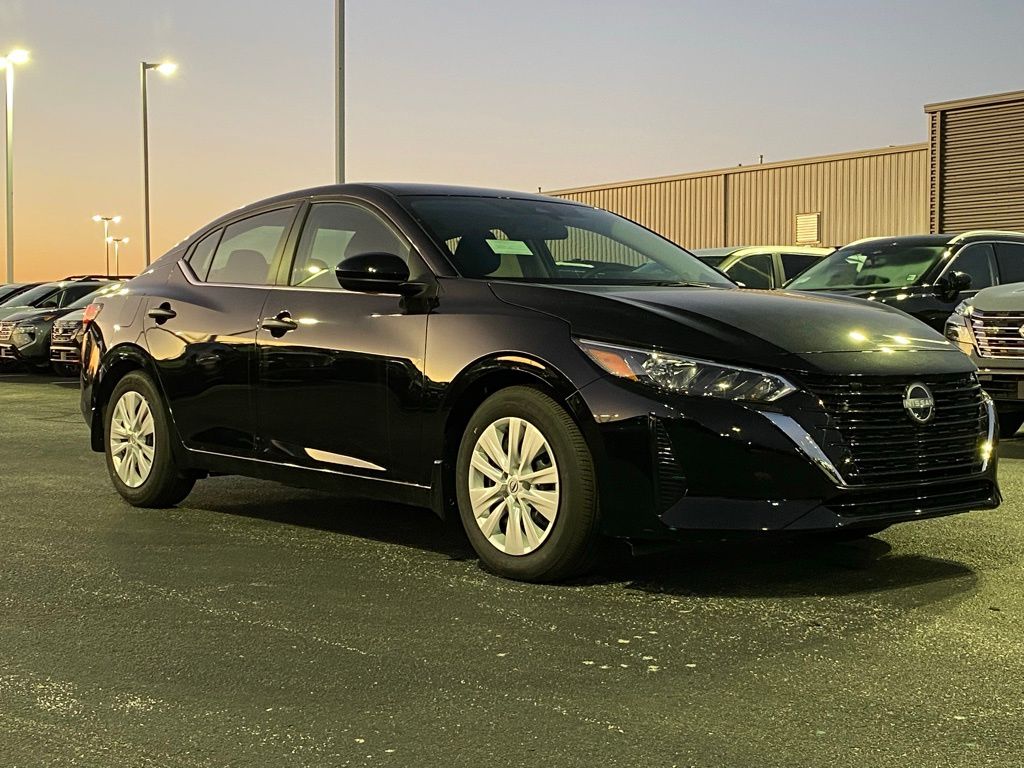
[(75, 292), (96, 293), (553, 242), (1011, 262), (795, 263), (248, 247), (753, 271), (978, 261), (334, 232), (202, 254)]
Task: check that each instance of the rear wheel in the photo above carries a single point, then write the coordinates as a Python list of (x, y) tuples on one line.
[(140, 457), (1010, 423), (526, 488)]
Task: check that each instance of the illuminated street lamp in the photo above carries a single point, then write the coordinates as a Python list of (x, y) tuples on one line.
[(118, 242), (8, 62), (107, 221), (165, 68)]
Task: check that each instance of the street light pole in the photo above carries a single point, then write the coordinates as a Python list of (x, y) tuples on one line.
[(339, 98), (118, 242), (107, 220), (165, 68), (7, 63)]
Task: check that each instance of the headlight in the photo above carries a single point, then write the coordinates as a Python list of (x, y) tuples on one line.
[(687, 375), (963, 309), (23, 334)]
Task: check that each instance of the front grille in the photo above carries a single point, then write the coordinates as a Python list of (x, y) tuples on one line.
[(882, 444), (64, 333), (923, 500), (999, 334), (6, 329)]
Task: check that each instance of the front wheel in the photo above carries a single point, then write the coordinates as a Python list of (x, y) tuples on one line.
[(526, 488), (140, 456)]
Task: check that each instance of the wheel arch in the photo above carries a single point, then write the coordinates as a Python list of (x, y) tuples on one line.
[(118, 363), (473, 386)]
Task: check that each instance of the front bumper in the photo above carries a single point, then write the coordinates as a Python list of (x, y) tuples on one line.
[(64, 353), (666, 466)]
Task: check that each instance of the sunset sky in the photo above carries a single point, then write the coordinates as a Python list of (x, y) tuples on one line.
[(519, 94)]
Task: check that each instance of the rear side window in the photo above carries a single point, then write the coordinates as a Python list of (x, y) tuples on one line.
[(753, 271), (1011, 262), (202, 254), (248, 247), (795, 263)]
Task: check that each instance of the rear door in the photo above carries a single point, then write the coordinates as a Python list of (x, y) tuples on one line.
[(340, 382), (201, 330)]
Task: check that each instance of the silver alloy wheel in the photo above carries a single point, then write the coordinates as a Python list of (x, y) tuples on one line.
[(513, 486), (132, 439)]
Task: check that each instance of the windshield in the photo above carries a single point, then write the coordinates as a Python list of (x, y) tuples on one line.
[(870, 265), (89, 298), (33, 295), (549, 242)]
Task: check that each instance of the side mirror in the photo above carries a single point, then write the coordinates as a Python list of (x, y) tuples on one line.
[(375, 273), (951, 285)]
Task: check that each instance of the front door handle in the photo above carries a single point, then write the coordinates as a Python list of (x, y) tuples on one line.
[(279, 325), (163, 313)]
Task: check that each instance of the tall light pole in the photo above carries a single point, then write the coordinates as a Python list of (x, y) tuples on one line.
[(164, 68), (17, 56), (107, 221), (339, 97), (118, 242)]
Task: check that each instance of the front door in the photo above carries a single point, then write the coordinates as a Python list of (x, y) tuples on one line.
[(341, 373)]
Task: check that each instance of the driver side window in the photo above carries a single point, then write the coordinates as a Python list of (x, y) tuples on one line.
[(334, 232), (978, 261)]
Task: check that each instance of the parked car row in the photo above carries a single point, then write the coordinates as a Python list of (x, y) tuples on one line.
[(35, 316)]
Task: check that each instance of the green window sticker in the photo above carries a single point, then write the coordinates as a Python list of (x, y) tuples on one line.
[(514, 247)]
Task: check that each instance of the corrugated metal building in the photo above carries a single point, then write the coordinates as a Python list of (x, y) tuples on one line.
[(969, 174)]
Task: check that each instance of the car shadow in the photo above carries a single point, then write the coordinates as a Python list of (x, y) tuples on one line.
[(743, 568), (777, 567)]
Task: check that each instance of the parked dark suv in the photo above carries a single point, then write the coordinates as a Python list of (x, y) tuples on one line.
[(924, 275), (439, 346), (46, 300)]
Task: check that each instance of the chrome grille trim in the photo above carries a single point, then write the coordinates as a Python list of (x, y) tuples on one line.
[(998, 334)]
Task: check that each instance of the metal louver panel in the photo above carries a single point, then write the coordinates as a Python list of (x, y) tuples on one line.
[(807, 227), (980, 172)]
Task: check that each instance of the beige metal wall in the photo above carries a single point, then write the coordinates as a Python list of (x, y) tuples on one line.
[(977, 163), (875, 192)]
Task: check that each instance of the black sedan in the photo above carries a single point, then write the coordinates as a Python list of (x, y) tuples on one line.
[(924, 275), (438, 346)]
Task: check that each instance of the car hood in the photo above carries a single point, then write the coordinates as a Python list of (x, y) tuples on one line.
[(777, 329), (999, 298), (33, 313)]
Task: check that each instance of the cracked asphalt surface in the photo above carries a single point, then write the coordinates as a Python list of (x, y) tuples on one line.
[(262, 625)]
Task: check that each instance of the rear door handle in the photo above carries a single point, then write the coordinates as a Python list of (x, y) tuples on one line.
[(279, 325), (163, 313)]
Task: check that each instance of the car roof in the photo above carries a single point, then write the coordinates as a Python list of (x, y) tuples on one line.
[(944, 238)]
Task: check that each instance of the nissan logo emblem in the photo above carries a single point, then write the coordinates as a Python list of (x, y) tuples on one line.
[(919, 402)]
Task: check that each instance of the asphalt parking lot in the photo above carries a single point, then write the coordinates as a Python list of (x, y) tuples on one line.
[(264, 625)]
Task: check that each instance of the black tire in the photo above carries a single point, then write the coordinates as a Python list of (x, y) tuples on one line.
[(167, 484), (571, 545), (1009, 423)]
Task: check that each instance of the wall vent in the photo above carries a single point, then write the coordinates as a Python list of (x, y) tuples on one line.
[(807, 227)]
